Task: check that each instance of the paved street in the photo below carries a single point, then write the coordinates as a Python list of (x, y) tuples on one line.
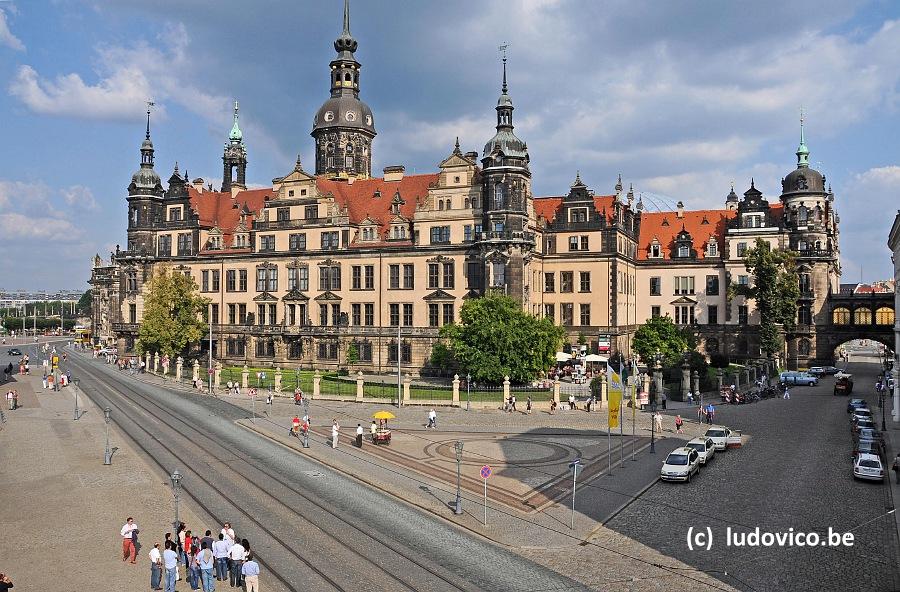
[(795, 473)]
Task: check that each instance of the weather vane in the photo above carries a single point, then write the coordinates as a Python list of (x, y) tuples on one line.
[(503, 49)]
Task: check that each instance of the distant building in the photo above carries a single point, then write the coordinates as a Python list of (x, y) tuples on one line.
[(894, 246)]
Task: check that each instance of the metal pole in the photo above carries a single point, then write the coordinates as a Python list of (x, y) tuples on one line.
[(609, 449), (633, 418), (399, 387), (75, 390), (458, 509), (177, 521), (106, 455), (485, 502), (653, 430), (574, 477), (622, 435), (209, 370), (468, 390)]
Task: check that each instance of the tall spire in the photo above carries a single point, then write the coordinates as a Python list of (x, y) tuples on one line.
[(802, 150), (503, 50), (345, 45), (236, 135), (347, 18)]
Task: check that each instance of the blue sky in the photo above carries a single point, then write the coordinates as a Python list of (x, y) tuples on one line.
[(681, 98)]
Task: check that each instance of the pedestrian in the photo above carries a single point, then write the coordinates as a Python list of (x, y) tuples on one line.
[(432, 419), (220, 554), (359, 435), (701, 413), (512, 403), (228, 533), (5, 582), (207, 560), (657, 418), (553, 407), (236, 554), (896, 467), (787, 393), (690, 398), (298, 397), (572, 405), (250, 570), (155, 567), (194, 565), (528, 405), (295, 427), (10, 399), (335, 431), (372, 429), (268, 402), (207, 538), (170, 564), (128, 550), (679, 423), (712, 413), (182, 538)]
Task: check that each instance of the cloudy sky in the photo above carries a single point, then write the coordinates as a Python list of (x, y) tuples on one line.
[(679, 97)]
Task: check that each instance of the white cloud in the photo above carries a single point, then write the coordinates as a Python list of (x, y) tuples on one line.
[(80, 196), (6, 36), (34, 209)]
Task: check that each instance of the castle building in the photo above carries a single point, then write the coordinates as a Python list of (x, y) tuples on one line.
[(298, 272)]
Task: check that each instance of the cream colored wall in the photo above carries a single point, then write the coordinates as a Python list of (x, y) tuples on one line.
[(667, 271)]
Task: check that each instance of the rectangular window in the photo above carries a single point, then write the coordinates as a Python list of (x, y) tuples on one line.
[(566, 281), (584, 243), (549, 282), (585, 314), (295, 349), (356, 314), (684, 284), (433, 276), (712, 314), (407, 315), (394, 277), (297, 242), (215, 280), (261, 279), (743, 315), (132, 313), (273, 279), (260, 314), (741, 249), (408, 276), (550, 312), (370, 277), (550, 245), (447, 310), (265, 348), (655, 286), (184, 244), (242, 313), (232, 314), (329, 278), (323, 315), (303, 278), (684, 314), (473, 275), (440, 235), (328, 349), (578, 214), (230, 280), (498, 275), (369, 311), (467, 233), (330, 240), (283, 214), (449, 280), (336, 315), (744, 280), (584, 281), (174, 214), (242, 280), (302, 315), (164, 245), (394, 313), (273, 314), (573, 243), (567, 310), (433, 315), (311, 212), (712, 285), (292, 278), (267, 242), (364, 349), (290, 312), (655, 312), (356, 277), (204, 281)]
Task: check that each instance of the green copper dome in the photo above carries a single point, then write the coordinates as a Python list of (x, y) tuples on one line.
[(235, 135)]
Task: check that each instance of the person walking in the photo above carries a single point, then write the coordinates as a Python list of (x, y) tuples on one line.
[(679, 424), (170, 564), (512, 403), (155, 567), (236, 555), (359, 435), (335, 431), (711, 413), (250, 571), (206, 561), (787, 393), (128, 530), (432, 419), (528, 405), (372, 429), (220, 554), (194, 565), (896, 467), (269, 398), (657, 418)]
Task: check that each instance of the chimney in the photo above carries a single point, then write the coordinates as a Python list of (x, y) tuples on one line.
[(198, 184), (680, 212), (394, 173)]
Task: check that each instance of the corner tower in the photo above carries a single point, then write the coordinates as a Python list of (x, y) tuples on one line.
[(234, 158), (344, 126), (145, 196), (506, 243)]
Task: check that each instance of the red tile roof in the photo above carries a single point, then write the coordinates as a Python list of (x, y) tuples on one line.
[(549, 206), (217, 209), (664, 226), (360, 200)]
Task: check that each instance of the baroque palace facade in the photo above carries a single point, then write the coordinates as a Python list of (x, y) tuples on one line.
[(297, 272)]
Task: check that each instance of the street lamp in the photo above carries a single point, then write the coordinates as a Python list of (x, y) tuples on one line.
[(176, 487), (459, 450), (468, 389), (107, 457), (75, 381)]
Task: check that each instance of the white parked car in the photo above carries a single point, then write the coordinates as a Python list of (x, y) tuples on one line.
[(680, 465), (719, 436), (868, 466), (705, 447)]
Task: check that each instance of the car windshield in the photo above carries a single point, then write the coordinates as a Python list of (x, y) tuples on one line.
[(867, 434), (677, 459), (698, 447), (874, 464), (715, 433)]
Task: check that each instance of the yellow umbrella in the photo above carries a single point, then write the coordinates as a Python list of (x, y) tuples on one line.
[(384, 415)]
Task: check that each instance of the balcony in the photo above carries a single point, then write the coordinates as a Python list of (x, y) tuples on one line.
[(507, 235), (816, 254)]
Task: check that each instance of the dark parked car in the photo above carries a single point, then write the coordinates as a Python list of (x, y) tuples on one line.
[(854, 403), (869, 447), (14, 352), (843, 385), (824, 370)]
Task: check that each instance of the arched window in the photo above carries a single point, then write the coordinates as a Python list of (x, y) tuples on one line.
[(447, 204), (466, 203), (499, 196), (683, 251), (862, 316), (884, 316), (348, 157), (804, 346), (840, 316), (440, 204), (712, 249), (347, 77), (801, 215)]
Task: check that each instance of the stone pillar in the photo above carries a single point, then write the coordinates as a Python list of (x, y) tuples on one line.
[(685, 381), (556, 390), (245, 377), (695, 382), (277, 387), (456, 390), (217, 376), (737, 381), (719, 379), (179, 367), (156, 363), (505, 388), (658, 377), (317, 378), (753, 374), (360, 386), (147, 366), (196, 375), (646, 384), (746, 376), (407, 382)]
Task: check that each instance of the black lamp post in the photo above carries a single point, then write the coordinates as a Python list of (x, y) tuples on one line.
[(176, 488), (468, 389), (459, 450), (75, 381), (107, 457)]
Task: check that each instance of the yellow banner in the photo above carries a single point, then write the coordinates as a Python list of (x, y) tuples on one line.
[(616, 392)]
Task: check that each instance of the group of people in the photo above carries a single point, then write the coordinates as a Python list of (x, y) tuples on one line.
[(203, 559), (707, 413), (12, 399)]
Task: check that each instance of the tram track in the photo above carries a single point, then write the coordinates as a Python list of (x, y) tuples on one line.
[(395, 568)]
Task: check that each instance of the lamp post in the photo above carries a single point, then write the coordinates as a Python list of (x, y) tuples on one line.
[(75, 381), (176, 487), (107, 457), (459, 450), (468, 389)]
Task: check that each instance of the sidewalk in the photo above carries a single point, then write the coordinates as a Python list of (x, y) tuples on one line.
[(63, 508)]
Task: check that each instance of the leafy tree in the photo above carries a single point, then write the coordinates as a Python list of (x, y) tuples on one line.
[(173, 314), (775, 291), (85, 304), (582, 338), (660, 334), (442, 358), (352, 353), (496, 338)]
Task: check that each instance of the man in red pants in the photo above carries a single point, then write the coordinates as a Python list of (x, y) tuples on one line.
[(128, 532)]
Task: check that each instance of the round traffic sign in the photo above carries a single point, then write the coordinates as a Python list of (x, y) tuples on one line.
[(486, 472)]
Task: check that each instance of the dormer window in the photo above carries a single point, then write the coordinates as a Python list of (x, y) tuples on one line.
[(712, 249), (578, 215), (369, 233), (655, 251), (398, 231), (684, 251)]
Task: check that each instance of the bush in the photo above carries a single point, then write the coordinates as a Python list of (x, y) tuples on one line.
[(718, 360)]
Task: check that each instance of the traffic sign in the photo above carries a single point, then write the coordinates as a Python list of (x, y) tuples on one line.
[(576, 466), (486, 472), (210, 371)]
